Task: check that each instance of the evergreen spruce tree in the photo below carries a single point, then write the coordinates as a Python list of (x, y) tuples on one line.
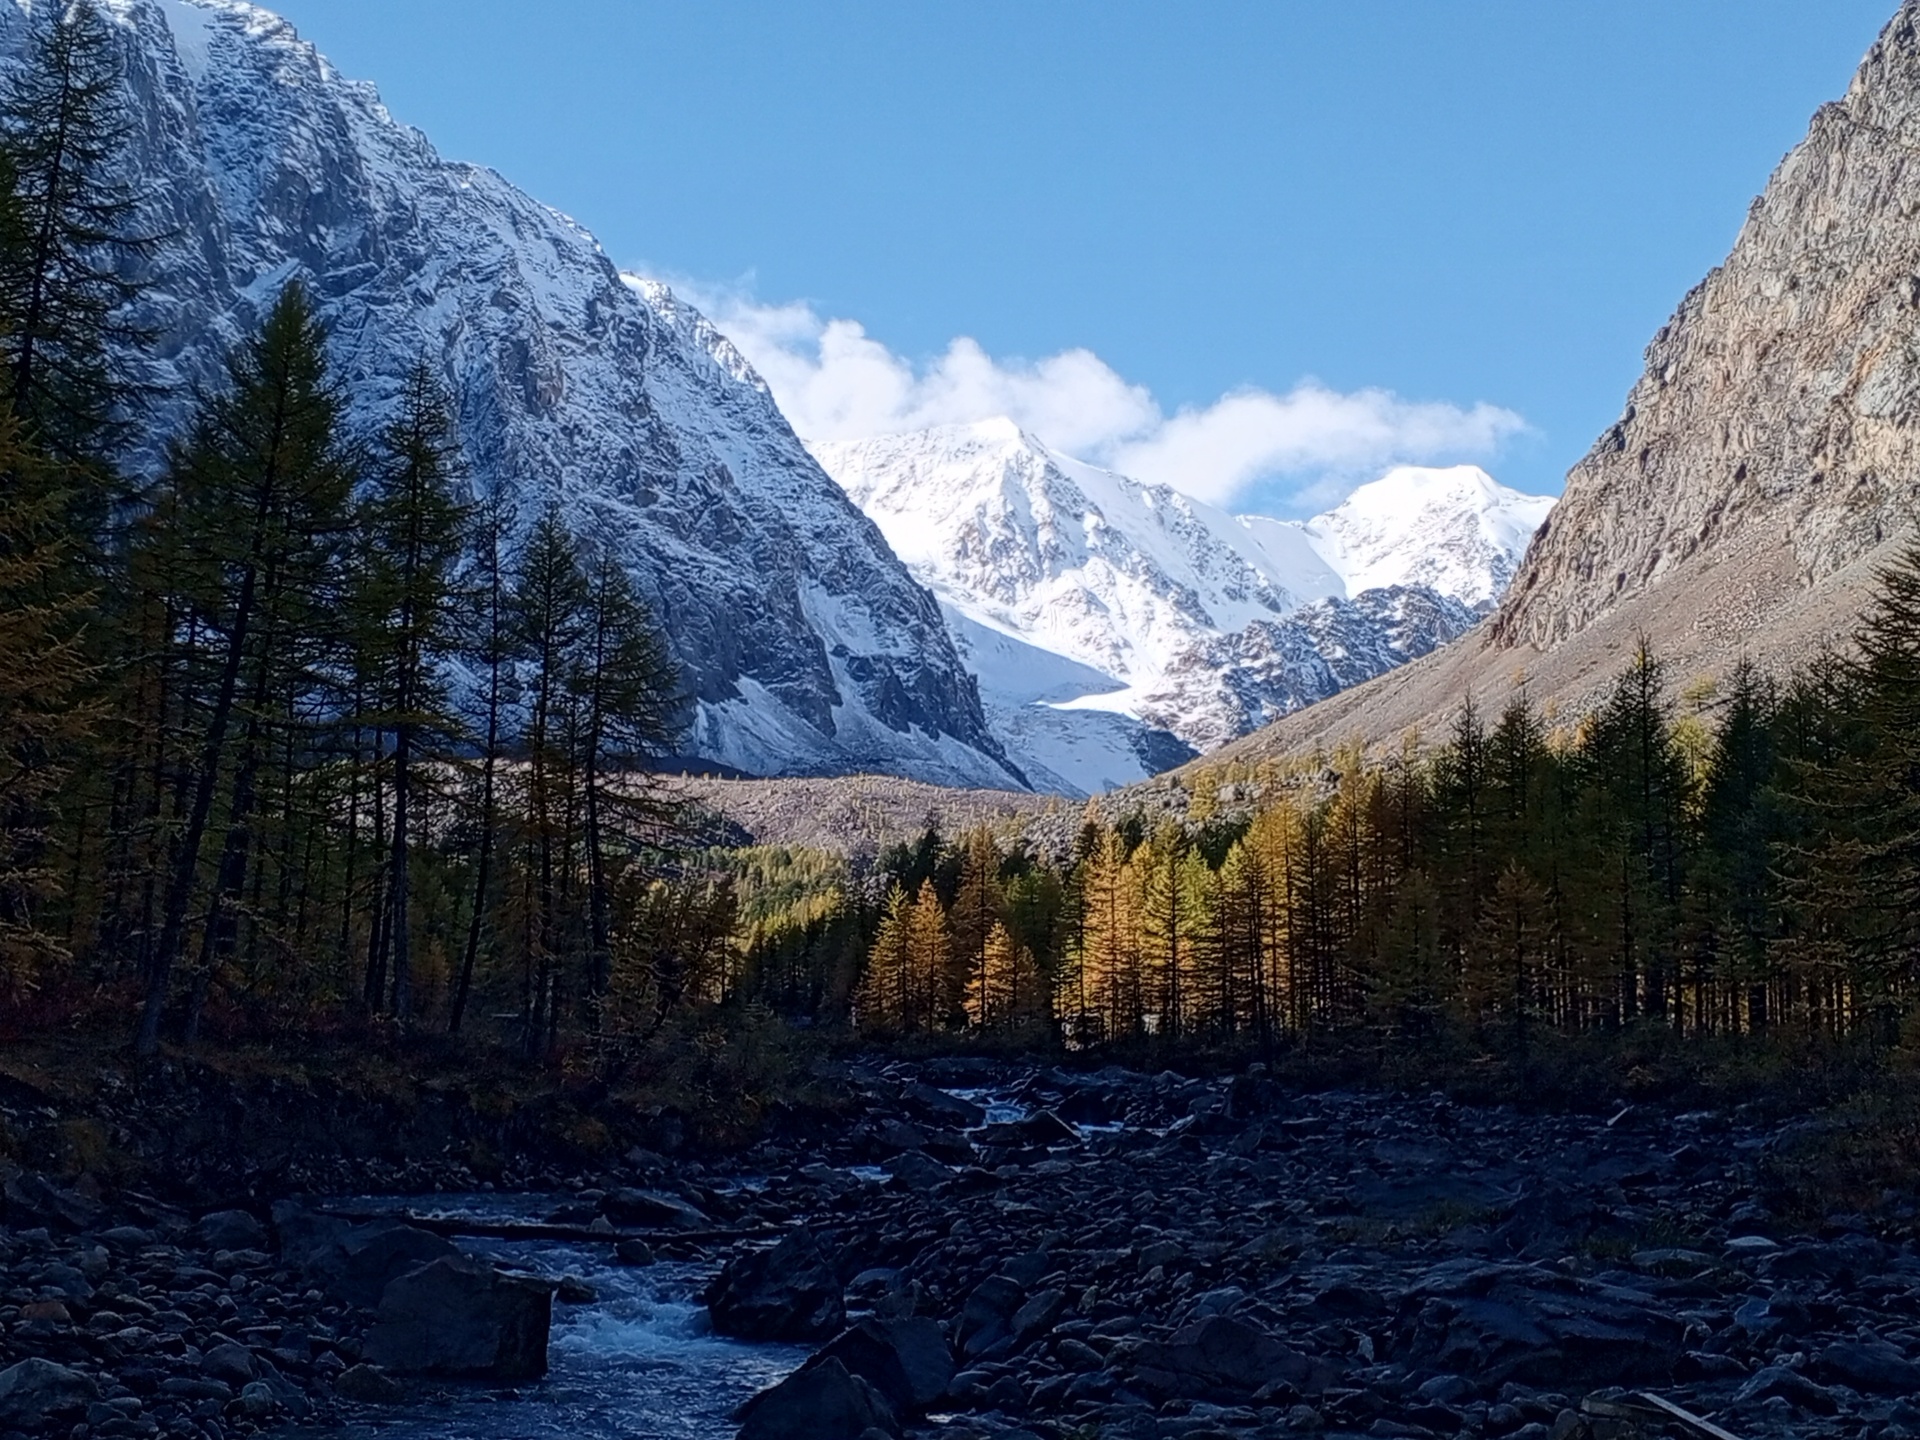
[(490, 643), (551, 606), (45, 712)]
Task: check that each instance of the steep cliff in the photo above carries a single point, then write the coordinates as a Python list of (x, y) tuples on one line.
[(1765, 464), (805, 646)]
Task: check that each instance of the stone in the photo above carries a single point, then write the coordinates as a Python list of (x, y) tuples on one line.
[(655, 1210), (949, 1108), (1037, 1316), (984, 1318), (906, 1360), (790, 1292), (1226, 1359), (817, 1402), (36, 1390), (258, 1400), (369, 1385), (633, 1252), (355, 1262), (460, 1317), (1777, 1381), (230, 1230), (917, 1171), (1871, 1365), (231, 1363)]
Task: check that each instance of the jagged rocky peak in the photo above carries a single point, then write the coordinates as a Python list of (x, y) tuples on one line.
[(1771, 438), (1171, 613), (805, 645)]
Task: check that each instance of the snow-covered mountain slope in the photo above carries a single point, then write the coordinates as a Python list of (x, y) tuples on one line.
[(1457, 531), (805, 646), (1204, 624)]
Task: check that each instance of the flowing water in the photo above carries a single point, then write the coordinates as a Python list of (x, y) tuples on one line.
[(636, 1363)]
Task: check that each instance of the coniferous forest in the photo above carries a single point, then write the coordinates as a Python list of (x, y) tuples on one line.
[(380, 999), (308, 729)]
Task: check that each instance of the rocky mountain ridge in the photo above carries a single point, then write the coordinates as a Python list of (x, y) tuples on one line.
[(805, 647), (1081, 597), (1762, 470)]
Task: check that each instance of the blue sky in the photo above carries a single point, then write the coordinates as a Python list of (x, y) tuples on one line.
[(1384, 230)]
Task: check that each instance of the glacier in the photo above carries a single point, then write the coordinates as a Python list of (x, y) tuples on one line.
[(1114, 624)]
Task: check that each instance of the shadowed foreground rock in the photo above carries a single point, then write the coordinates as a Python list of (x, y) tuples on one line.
[(907, 1361), (461, 1317), (790, 1292), (820, 1402), (35, 1391)]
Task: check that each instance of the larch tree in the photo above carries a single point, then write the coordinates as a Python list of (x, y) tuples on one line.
[(260, 488)]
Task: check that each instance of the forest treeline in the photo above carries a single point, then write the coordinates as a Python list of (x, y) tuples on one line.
[(304, 730), (301, 723), (1742, 862)]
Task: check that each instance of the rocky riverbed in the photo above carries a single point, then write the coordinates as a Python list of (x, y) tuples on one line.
[(1042, 1254)]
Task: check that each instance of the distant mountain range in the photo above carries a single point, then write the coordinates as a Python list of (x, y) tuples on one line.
[(1112, 623), (1113, 628)]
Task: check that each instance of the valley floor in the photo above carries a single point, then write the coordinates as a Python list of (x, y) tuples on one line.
[(1105, 1254)]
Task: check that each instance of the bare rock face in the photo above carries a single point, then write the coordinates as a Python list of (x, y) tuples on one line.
[(1766, 466), (1772, 437), (803, 645)]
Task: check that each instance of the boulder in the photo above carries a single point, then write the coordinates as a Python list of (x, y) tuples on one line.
[(1870, 1365), (369, 1385), (948, 1109), (985, 1320), (35, 1391), (229, 1362), (817, 1402), (916, 1171), (790, 1292), (230, 1230), (907, 1360), (653, 1209), (1535, 1326), (1037, 1316), (355, 1262), (458, 1316), (1220, 1358)]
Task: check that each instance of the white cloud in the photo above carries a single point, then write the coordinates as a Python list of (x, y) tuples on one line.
[(836, 382)]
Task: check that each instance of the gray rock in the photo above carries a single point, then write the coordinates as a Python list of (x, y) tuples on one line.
[(1871, 1365), (230, 1230), (231, 1363), (917, 1171), (906, 1360), (654, 1209), (1226, 1359), (984, 1319), (369, 1385), (817, 1402), (1789, 1385), (354, 1262), (790, 1292), (35, 1390), (460, 1317)]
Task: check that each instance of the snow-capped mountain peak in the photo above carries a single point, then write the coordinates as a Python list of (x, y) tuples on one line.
[(1075, 591), (1456, 530)]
